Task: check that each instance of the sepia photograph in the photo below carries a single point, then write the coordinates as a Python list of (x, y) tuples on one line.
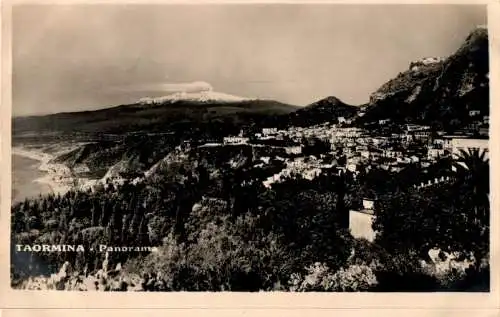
[(250, 148)]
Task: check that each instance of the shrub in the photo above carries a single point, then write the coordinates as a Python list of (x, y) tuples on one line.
[(354, 278)]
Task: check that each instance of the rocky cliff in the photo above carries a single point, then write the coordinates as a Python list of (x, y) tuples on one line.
[(438, 91)]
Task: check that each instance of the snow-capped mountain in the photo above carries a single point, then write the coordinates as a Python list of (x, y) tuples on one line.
[(198, 96)]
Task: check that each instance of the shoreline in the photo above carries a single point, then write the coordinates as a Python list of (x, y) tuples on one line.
[(58, 176)]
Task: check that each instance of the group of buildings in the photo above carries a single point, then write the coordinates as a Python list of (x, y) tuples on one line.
[(415, 144)]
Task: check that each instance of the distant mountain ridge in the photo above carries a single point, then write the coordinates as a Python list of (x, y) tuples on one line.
[(190, 111), (328, 109)]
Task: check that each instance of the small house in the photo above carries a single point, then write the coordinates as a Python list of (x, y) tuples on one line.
[(474, 113)]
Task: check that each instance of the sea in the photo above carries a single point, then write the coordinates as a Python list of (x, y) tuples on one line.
[(24, 173)]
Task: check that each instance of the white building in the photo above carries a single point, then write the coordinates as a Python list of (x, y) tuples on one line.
[(392, 154), (352, 167), (414, 159), (368, 204), (265, 159), (310, 174), (403, 160), (415, 65), (416, 127), (360, 224), (422, 135), (233, 140), (379, 141), (438, 141), (269, 131), (433, 154), (473, 113), (293, 149)]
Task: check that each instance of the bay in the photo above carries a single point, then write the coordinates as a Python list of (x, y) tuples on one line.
[(24, 173)]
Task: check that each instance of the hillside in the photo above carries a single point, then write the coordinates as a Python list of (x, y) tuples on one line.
[(329, 109), (182, 114), (438, 91), (325, 110)]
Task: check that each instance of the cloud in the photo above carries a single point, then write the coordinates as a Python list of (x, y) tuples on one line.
[(195, 86)]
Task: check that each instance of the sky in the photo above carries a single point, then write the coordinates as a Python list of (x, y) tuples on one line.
[(84, 57)]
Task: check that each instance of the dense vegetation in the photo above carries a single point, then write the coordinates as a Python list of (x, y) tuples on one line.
[(217, 228)]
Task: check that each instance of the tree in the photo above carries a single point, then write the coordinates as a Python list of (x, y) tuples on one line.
[(472, 167), (434, 217)]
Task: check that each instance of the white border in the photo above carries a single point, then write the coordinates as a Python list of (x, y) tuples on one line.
[(276, 301)]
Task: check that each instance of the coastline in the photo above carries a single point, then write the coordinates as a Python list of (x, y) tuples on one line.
[(59, 177)]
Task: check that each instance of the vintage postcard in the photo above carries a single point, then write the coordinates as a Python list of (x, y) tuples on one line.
[(224, 152)]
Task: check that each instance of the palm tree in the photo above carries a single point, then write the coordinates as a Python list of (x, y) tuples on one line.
[(472, 171), (473, 166)]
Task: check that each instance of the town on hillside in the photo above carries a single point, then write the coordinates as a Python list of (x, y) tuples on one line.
[(360, 150)]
